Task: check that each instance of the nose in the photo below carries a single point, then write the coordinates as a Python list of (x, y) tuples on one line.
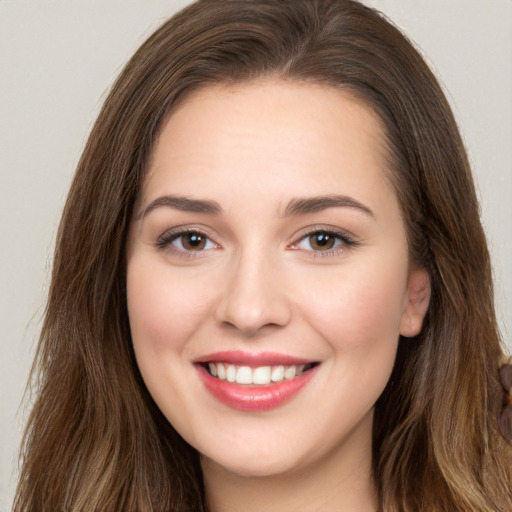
[(253, 299)]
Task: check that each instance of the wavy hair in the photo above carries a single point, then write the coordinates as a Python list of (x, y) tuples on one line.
[(95, 440)]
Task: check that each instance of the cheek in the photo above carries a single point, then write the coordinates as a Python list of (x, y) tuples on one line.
[(360, 321), (360, 307), (164, 312), (164, 308)]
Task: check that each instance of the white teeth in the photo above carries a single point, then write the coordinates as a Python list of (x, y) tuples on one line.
[(231, 373), (261, 375), (290, 372), (221, 371), (244, 375), (278, 373)]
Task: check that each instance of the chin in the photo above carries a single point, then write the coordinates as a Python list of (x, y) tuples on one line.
[(252, 466)]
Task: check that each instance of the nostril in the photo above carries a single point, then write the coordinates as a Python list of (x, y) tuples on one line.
[(252, 301)]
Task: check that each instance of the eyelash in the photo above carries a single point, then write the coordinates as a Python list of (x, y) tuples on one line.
[(166, 239), (343, 240)]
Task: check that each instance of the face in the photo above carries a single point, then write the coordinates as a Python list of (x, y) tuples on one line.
[(268, 277)]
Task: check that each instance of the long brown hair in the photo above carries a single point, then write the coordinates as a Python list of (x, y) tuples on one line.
[(96, 441)]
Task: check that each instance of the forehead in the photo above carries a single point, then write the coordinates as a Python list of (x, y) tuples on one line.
[(269, 134)]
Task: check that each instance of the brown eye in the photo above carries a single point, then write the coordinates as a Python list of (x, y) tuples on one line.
[(322, 241), (191, 241), (325, 241)]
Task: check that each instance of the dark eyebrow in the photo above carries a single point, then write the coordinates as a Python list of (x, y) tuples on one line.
[(297, 206), (184, 204), (302, 206)]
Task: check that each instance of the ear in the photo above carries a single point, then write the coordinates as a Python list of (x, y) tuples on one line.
[(416, 304)]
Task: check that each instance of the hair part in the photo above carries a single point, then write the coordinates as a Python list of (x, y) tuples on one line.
[(95, 439)]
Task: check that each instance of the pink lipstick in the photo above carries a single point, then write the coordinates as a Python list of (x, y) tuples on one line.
[(254, 381)]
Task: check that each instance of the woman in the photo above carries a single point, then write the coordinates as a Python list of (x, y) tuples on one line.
[(271, 287)]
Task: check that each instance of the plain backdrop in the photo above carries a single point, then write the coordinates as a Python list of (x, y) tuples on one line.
[(57, 60)]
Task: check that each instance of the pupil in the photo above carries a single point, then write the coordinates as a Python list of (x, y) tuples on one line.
[(194, 241), (322, 241)]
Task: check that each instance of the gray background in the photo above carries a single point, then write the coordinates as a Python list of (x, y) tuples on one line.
[(57, 60)]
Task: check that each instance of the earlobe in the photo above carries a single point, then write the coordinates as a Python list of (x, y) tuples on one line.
[(418, 299)]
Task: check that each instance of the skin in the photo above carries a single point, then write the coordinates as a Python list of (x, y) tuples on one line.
[(259, 284)]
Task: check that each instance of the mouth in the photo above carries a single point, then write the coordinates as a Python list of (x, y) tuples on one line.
[(256, 376), (254, 382)]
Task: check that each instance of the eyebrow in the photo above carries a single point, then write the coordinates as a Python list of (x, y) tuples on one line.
[(184, 204), (303, 206), (297, 206)]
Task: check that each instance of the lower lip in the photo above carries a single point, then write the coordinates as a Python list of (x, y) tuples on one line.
[(254, 398)]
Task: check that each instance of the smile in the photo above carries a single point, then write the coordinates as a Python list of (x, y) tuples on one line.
[(254, 382), (261, 375)]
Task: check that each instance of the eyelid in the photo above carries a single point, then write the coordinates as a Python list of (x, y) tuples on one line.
[(348, 239), (164, 241)]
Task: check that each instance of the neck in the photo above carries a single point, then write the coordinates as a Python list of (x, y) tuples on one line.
[(341, 480)]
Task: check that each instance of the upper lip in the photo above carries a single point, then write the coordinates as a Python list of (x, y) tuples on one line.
[(244, 358)]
